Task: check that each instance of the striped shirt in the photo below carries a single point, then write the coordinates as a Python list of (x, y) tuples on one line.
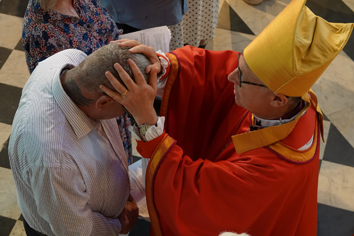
[(70, 171)]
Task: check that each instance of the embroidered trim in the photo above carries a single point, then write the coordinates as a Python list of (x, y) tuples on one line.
[(174, 71), (159, 154), (306, 154)]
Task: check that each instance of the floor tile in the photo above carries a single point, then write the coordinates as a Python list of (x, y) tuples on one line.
[(335, 185), (11, 30), (331, 10), (18, 229), (4, 54), (8, 199), (338, 149), (335, 11), (5, 131), (349, 47), (12, 96), (19, 46), (15, 71), (325, 117), (326, 126), (257, 17), (349, 3), (13, 7), (240, 43), (343, 120), (335, 89), (224, 16), (6, 225), (341, 221), (237, 24), (136, 158), (228, 40), (4, 157)]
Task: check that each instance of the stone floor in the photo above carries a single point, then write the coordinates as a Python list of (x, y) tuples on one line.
[(238, 24)]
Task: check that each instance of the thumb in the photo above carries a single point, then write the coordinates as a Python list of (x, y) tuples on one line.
[(153, 78)]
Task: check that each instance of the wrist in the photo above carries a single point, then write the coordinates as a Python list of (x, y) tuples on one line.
[(147, 120)]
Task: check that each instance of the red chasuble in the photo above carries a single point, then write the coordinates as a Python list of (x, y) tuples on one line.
[(198, 184)]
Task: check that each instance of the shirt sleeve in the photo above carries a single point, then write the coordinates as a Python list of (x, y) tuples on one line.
[(63, 201), (162, 79)]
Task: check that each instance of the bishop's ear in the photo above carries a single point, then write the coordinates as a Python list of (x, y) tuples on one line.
[(279, 100)]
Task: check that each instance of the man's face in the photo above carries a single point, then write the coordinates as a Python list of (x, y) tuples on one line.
[(252, 95)]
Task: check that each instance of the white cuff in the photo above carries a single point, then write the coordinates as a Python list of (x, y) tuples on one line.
[(152, 133), (161, 83)]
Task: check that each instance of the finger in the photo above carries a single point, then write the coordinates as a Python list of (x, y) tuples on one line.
[(153, 78), (139, 78), (122, 40), (155, 65), (115, 82), (128, 43), (114, 41), (148, 52), (125, 77), (114, 95), (141, 48)]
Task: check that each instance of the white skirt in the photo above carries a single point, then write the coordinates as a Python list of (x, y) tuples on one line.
[(198, 24)]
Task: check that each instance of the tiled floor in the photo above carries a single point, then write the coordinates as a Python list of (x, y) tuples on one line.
[(238, 25)]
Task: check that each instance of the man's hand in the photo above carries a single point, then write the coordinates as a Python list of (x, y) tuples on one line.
[(129, 215), (139, 98), (148, 52)]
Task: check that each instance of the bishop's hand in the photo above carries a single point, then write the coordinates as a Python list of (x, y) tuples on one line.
[(139, 96)]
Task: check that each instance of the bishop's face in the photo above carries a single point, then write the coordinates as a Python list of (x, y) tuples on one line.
[(250, 93)]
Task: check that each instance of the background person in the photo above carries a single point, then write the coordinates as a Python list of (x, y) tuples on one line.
[(243, 155), (198, 24), (50, 26), (134, 15)]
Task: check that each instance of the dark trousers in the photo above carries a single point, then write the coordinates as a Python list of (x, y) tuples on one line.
[(30, 231), (127, 28)]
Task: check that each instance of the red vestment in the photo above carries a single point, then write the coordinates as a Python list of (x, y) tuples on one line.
[(197, 183)]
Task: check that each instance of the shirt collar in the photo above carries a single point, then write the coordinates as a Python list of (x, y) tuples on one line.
[(79, 121), (267, 123)]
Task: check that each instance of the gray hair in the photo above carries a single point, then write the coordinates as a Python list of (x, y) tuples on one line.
[(90, 73), (47, 4)]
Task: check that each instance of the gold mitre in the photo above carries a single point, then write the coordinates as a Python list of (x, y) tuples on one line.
[(292, 52)]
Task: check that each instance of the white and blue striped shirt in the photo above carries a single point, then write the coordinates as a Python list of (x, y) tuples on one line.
[(70, 171)]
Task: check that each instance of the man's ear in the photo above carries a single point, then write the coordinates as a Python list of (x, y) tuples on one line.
[(279, 100), (103, 102)]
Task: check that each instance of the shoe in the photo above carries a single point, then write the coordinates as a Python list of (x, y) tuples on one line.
[(253, 2), (202, 44)]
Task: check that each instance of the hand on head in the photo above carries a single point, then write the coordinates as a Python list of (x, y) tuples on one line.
[(138, 97), (129, 215), (148, 52)]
